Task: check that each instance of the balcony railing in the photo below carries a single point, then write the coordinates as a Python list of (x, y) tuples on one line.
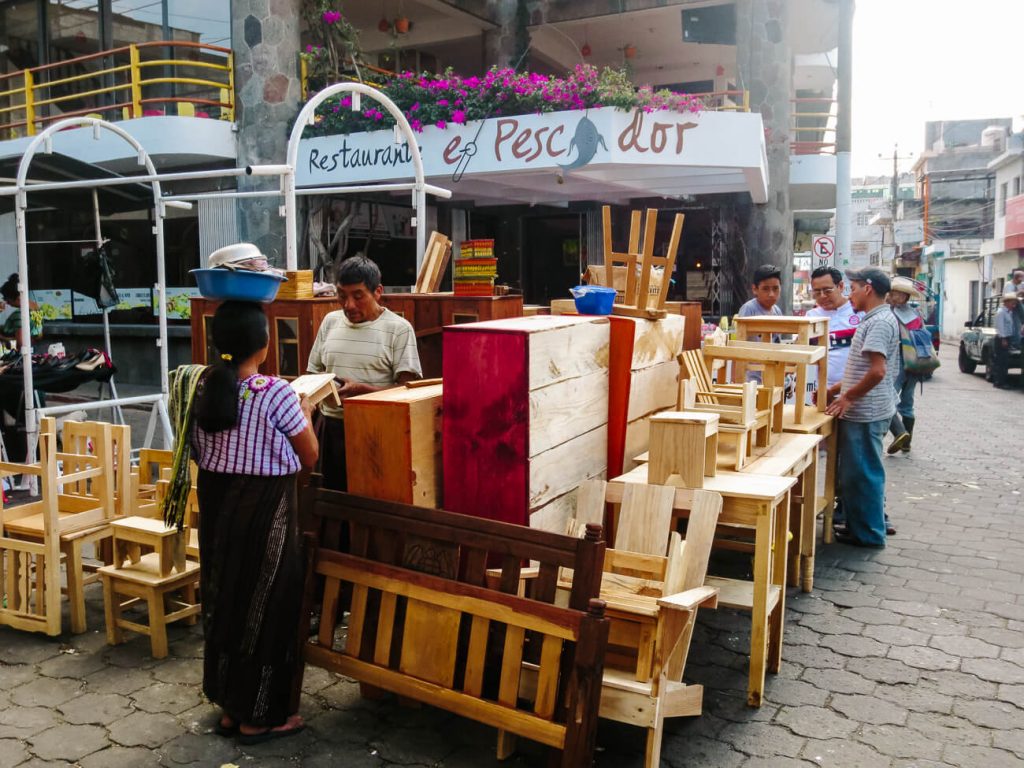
[(813, 127), (197, 80)]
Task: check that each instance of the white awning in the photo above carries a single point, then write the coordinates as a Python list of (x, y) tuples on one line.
[(605, 155)]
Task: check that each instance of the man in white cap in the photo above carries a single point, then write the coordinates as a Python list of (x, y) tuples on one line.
[(1008, 326), (904, 290)]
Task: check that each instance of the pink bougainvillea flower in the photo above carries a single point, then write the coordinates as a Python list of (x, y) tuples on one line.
[(331, 17), (442, 102), (459, 116), (442, 124)]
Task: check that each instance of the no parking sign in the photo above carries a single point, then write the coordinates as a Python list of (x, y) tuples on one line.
[(824, 250)]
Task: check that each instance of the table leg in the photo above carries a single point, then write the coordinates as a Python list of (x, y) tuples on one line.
[(76, 587), (778, 616), (759, 609), (831, 443), (809, 509)]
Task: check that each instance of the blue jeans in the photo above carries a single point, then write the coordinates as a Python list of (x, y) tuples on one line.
[(861, 476), (905, 402)]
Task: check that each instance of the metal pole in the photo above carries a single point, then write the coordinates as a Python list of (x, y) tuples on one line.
[(844, 224), (116, 412), (20, 206)]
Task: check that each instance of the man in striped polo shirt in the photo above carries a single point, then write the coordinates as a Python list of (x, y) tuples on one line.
[(367, 347), (864, 407)]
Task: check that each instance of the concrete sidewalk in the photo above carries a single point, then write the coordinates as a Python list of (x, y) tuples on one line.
[(909, 656)]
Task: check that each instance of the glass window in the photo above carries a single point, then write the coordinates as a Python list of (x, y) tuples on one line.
[(19, 29), (1002, 198), (1016, 186), (136, 21), (201, 21)]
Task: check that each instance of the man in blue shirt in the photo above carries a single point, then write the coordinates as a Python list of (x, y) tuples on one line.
[(1008, 327)]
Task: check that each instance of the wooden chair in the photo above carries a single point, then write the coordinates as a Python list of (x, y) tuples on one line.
[(144, 478), (30, 570), (653, 584), (191, 514), (640, 299), (162, 578), (84, 497), (737, 422)]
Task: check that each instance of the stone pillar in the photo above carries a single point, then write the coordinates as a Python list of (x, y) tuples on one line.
[(267, 92), (500, 42), (764, 60)]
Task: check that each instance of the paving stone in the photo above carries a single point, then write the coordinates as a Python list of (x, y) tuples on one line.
[(68, 742), (989, 714), (948, 729), (121, 757), (412, 745), (796, 693), (1015, 655), (193, 749), (892, 634), (763, 739), (26, 647), (968, 647), (854, 645), (838, 680), (348, 726), (960, 754), (895, 741), (994, 670), (118, 681), (46, 692), (916, 698), (22, 722), (12, 752), (1006, 638), (315, 679), (868, 709), (96, 708), (815, 722), (888, 671), (867, 615), (352, 757), (14, 675), (1012, 693), (849, 599), (166, 697), (185, 671), (924, 658), (135, 653), (843, 753), (687, 751), (1012, 741), (74, 665), (776, 762), (142, 729), (831, 625)]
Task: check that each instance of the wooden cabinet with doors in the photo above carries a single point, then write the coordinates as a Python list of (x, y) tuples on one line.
[(430, 312), (293, 327)]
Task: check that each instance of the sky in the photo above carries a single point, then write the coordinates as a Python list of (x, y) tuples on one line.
[(920, 60)]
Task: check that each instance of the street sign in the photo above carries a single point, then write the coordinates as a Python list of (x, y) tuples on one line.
[(824, 250)]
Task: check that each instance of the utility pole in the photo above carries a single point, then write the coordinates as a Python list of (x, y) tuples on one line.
[(844, 123), (894, 202)]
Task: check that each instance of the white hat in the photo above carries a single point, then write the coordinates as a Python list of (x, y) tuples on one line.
[(907, 286), (1009, 292), (230, 254)]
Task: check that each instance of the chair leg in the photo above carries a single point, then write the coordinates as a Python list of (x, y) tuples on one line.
[(652, 752), (112, 611), (157, 623), (76, 586), (189, 591)]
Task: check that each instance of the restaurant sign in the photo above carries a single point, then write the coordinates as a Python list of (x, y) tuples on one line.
[(563, 142)]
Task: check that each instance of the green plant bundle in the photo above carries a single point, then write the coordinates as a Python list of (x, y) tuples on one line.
[(183, 383)]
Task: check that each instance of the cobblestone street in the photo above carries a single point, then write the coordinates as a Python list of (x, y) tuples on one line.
[(908, 656)]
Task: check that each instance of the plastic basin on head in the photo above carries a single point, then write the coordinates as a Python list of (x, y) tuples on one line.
[(237, 285), (593, 299)]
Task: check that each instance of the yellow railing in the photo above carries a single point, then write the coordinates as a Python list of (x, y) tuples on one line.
[(725, 101), (813, 127), (119, 84), (375, 75)]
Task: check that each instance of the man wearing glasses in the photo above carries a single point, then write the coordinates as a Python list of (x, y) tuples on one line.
[(843, 319)]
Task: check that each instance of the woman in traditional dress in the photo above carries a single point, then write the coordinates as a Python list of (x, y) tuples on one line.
[(251, 437)]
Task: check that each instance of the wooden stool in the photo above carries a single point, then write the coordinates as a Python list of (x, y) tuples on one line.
[(683, 443), (134, 533), (142, 582)]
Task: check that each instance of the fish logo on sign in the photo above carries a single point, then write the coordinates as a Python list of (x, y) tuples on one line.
[(585, 140), (824, 250)]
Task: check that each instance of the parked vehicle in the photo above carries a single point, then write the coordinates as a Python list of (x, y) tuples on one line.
[(978, 341)]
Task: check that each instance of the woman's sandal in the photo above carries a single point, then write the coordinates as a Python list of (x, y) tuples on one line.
[(249, 739), (221, 729)]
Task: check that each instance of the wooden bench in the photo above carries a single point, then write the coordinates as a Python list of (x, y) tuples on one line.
[(423, 623)]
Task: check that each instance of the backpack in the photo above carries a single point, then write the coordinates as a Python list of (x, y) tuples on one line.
[(919, 358)]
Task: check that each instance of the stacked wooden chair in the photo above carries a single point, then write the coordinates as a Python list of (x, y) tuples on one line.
[(75, 508), (153, 464), (640, 297)]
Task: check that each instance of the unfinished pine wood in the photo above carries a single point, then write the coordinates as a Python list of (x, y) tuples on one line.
[(393, 445), (316, 387), (683, 443), (653, 389), (435, 261)]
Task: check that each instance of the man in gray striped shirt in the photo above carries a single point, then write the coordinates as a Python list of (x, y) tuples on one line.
[(864, 407), (367, 347)]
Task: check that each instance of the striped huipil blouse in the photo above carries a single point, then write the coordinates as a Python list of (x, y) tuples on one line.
[(258, 444)]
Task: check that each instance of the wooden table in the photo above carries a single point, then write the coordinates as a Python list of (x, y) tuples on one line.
[(751, 502), (819, 424), (808, 330)]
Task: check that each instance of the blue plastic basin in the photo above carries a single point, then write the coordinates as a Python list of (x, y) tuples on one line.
[(237, 285), (593, 299)]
